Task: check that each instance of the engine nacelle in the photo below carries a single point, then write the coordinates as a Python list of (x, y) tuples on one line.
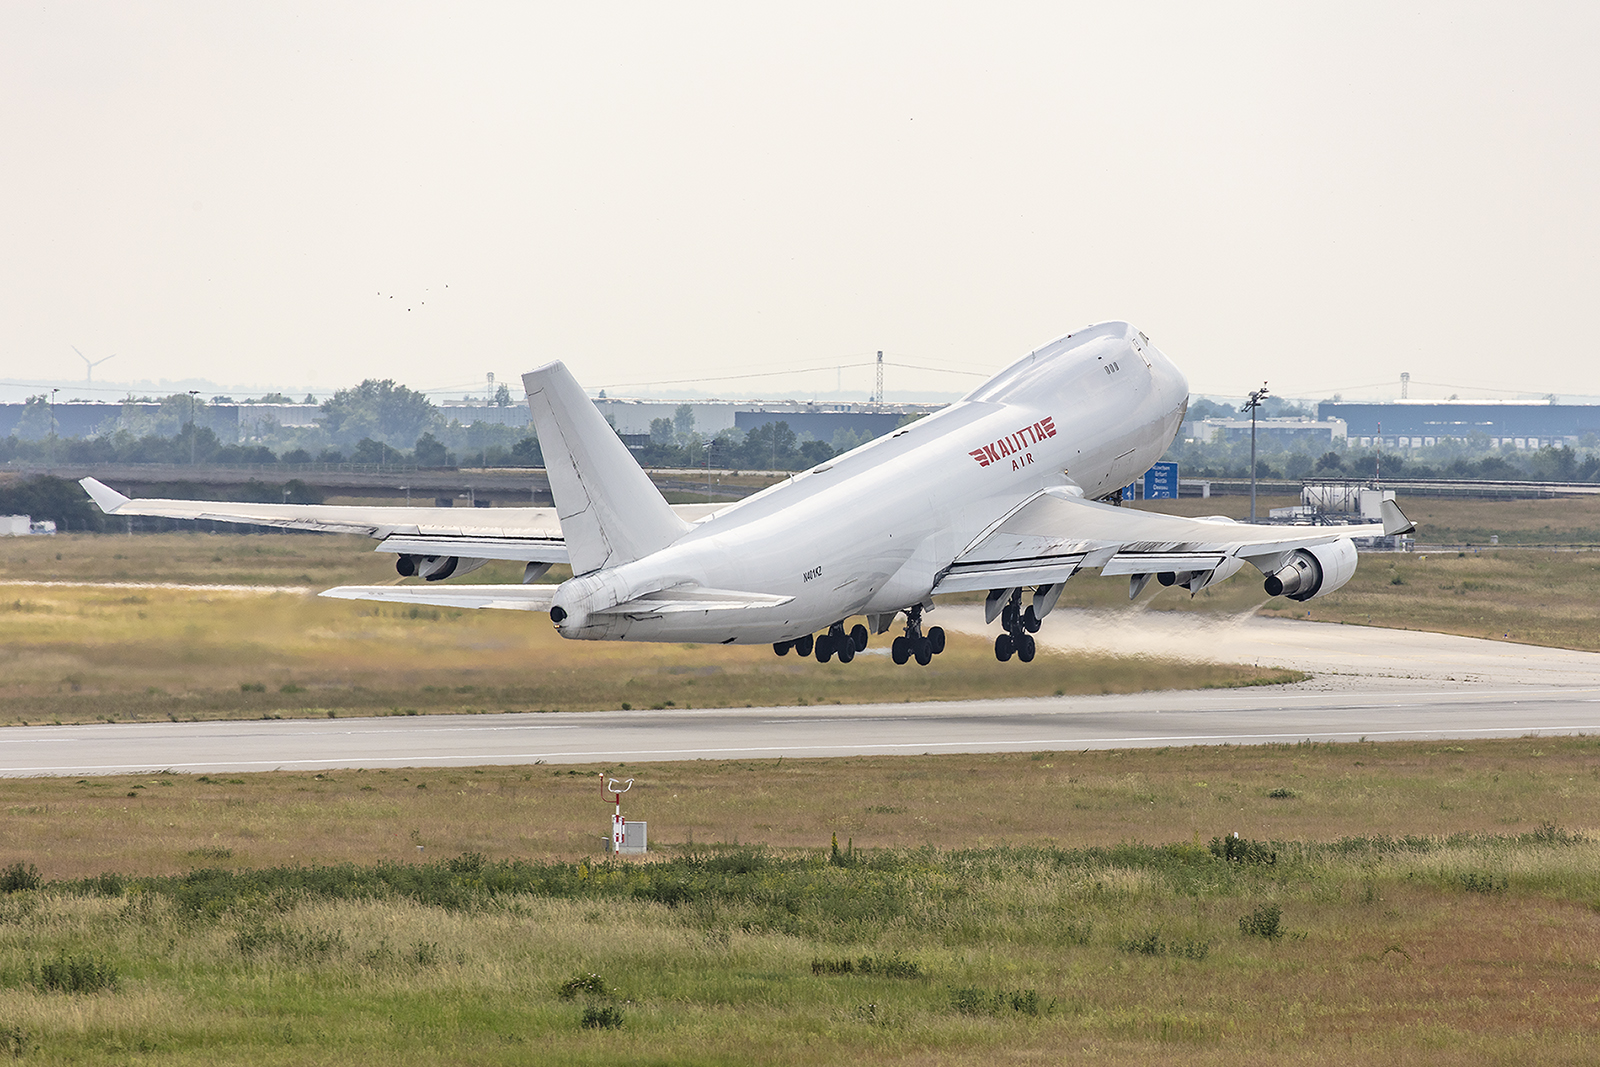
[(436, 568), (1314, 571)]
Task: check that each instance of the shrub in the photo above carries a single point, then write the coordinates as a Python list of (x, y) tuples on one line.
[(1243, 851), (602, 1017), (19, 876), (1266, 921), (1282, 793)]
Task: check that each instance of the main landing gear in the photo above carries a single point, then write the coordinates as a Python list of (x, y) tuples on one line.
[(836, 642), (845, 644), (1020, 625), (915, 643)]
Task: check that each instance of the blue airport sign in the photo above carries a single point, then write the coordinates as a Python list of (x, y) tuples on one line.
[(1160, 483), (1128, 492)]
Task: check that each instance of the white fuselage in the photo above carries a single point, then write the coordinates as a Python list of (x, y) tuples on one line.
[(871, 531)]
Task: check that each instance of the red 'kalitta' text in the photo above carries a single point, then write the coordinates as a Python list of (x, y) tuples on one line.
[(1014, 446)]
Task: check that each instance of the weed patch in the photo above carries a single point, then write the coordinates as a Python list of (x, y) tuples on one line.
[(973, 1001), (873, 966), (1154, 943), (71, 973), (1265, 921)]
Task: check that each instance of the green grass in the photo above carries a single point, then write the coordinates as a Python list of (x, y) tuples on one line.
[(1395, 901), (1351, 947)]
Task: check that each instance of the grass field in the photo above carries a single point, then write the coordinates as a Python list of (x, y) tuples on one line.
[(86, 653), (1412, 903), (1409, 903), (75, 653)]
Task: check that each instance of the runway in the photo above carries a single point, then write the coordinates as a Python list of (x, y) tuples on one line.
[(1372, 683), (1239, 716)]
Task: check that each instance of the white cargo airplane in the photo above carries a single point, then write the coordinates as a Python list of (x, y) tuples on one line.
[(1006, 490)]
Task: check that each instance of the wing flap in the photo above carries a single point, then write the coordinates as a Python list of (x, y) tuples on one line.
[(523, 549), (1156, 562), (1007, 574)]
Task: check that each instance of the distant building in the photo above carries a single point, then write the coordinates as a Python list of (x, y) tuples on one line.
[(24, 525), (1420, 424), (1302, 433), (234, 422), (808, 419)]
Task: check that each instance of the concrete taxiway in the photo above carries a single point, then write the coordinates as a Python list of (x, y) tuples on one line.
[(1373, 683)]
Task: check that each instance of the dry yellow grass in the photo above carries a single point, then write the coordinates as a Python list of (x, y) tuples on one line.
[(83, 652)]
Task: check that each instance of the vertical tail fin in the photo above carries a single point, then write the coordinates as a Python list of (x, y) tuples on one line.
[(610, 511)]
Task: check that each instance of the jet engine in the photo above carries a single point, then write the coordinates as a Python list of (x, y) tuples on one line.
[(1314, 571), (436, 568)]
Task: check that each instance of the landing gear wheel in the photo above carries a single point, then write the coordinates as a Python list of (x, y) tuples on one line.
[(847, 650), (900, 651), (802, 645), (781, 647), (1026, 648), (936, 639), (1003, 647), (1030, 621), (859, 636), (924, 652), (824, 648)]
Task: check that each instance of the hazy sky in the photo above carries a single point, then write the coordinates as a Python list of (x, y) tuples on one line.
[(1320, 196)]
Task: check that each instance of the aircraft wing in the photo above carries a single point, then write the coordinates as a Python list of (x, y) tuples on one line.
[(1052, 535), (528, 535)]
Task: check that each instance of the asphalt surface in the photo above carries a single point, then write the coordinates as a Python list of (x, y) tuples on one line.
[(1240, 716)]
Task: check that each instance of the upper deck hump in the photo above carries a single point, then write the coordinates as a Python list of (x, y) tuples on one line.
[(1022, 379)]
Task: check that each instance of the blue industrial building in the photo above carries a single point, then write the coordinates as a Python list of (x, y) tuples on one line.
[(1413, 424)]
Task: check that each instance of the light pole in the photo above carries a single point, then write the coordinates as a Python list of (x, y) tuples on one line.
[(1256, 397), (53, 393), (193, 393)]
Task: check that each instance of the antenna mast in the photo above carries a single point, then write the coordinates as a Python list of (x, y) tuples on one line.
[(879, 393)]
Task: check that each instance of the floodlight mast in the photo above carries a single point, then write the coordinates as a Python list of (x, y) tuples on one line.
[(1250, 405), (193, 393)]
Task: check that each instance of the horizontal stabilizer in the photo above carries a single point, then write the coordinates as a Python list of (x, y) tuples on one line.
[(673, 601), (504, 597), (105, 496)]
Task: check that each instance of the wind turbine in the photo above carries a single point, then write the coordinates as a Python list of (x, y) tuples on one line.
[(88, 375)]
